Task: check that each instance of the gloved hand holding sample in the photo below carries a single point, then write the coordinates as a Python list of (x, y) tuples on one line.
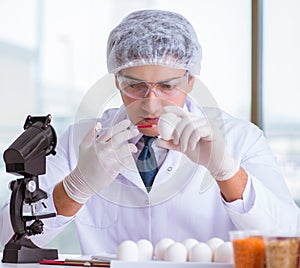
[(198, 138), (100, 160)]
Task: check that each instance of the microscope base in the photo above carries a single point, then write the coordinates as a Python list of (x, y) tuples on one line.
[(15, 252)]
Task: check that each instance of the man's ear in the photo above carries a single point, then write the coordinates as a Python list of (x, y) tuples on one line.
[(190, 83)]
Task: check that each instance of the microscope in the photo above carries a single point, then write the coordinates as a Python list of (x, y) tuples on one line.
[(26, 156)]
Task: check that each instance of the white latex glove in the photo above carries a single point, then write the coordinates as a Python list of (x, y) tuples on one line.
[(199, 139), (100, 160)]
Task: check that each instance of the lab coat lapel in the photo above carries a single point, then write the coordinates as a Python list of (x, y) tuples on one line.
[(133, 175), (165, 172)]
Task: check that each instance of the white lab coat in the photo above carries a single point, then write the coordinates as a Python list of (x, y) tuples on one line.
[(185, 202)]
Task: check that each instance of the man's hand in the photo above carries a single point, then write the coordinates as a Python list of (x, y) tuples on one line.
[(200, 139), (100, 160)]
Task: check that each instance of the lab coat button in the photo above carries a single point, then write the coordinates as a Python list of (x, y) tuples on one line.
[(169, 169), (146, 202)]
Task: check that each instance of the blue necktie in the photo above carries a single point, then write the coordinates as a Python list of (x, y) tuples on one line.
[(146, 163)]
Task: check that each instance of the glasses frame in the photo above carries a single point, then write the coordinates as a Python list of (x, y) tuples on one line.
[(151, 86)]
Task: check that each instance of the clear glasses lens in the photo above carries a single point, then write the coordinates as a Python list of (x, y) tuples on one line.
[(139, 89)]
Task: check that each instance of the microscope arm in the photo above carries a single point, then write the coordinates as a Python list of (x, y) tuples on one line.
[(22, 194), (16, 207)]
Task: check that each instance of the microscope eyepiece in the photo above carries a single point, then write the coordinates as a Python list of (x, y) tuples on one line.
[(27, 154)]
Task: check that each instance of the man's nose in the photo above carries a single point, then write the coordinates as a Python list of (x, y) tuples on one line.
[(151, 92), (151, 103)]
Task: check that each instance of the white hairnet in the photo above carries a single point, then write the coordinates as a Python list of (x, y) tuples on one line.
[(154, 37)]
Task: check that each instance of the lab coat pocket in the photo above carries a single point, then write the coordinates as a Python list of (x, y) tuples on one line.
[(98, 213)]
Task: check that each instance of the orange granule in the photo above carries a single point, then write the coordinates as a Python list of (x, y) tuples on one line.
[(249, 252)]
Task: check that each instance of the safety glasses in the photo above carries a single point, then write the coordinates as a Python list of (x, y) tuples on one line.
[(139, 89)]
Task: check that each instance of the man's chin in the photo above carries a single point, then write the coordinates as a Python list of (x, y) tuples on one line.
[(150, 131)]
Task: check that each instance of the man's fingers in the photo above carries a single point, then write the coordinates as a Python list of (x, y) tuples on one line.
[(123, 136), (167, 145), (109, 133), (91, 135)]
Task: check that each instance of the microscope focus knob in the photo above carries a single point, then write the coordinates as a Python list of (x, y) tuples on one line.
[(31, 186), (11, 185)]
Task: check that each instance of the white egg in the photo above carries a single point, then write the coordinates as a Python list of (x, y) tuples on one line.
[(145, 248), (224, 253), (127, 251), (189, 243), (166, 125), (161, 246), (200, 252), (214, 243), (176, 252)]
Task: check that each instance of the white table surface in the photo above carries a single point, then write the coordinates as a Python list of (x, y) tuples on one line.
[(122, 264)]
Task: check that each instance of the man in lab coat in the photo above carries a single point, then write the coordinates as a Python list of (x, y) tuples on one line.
[(212, 173)]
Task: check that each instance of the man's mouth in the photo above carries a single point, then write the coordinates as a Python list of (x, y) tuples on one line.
[(151, 120)]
